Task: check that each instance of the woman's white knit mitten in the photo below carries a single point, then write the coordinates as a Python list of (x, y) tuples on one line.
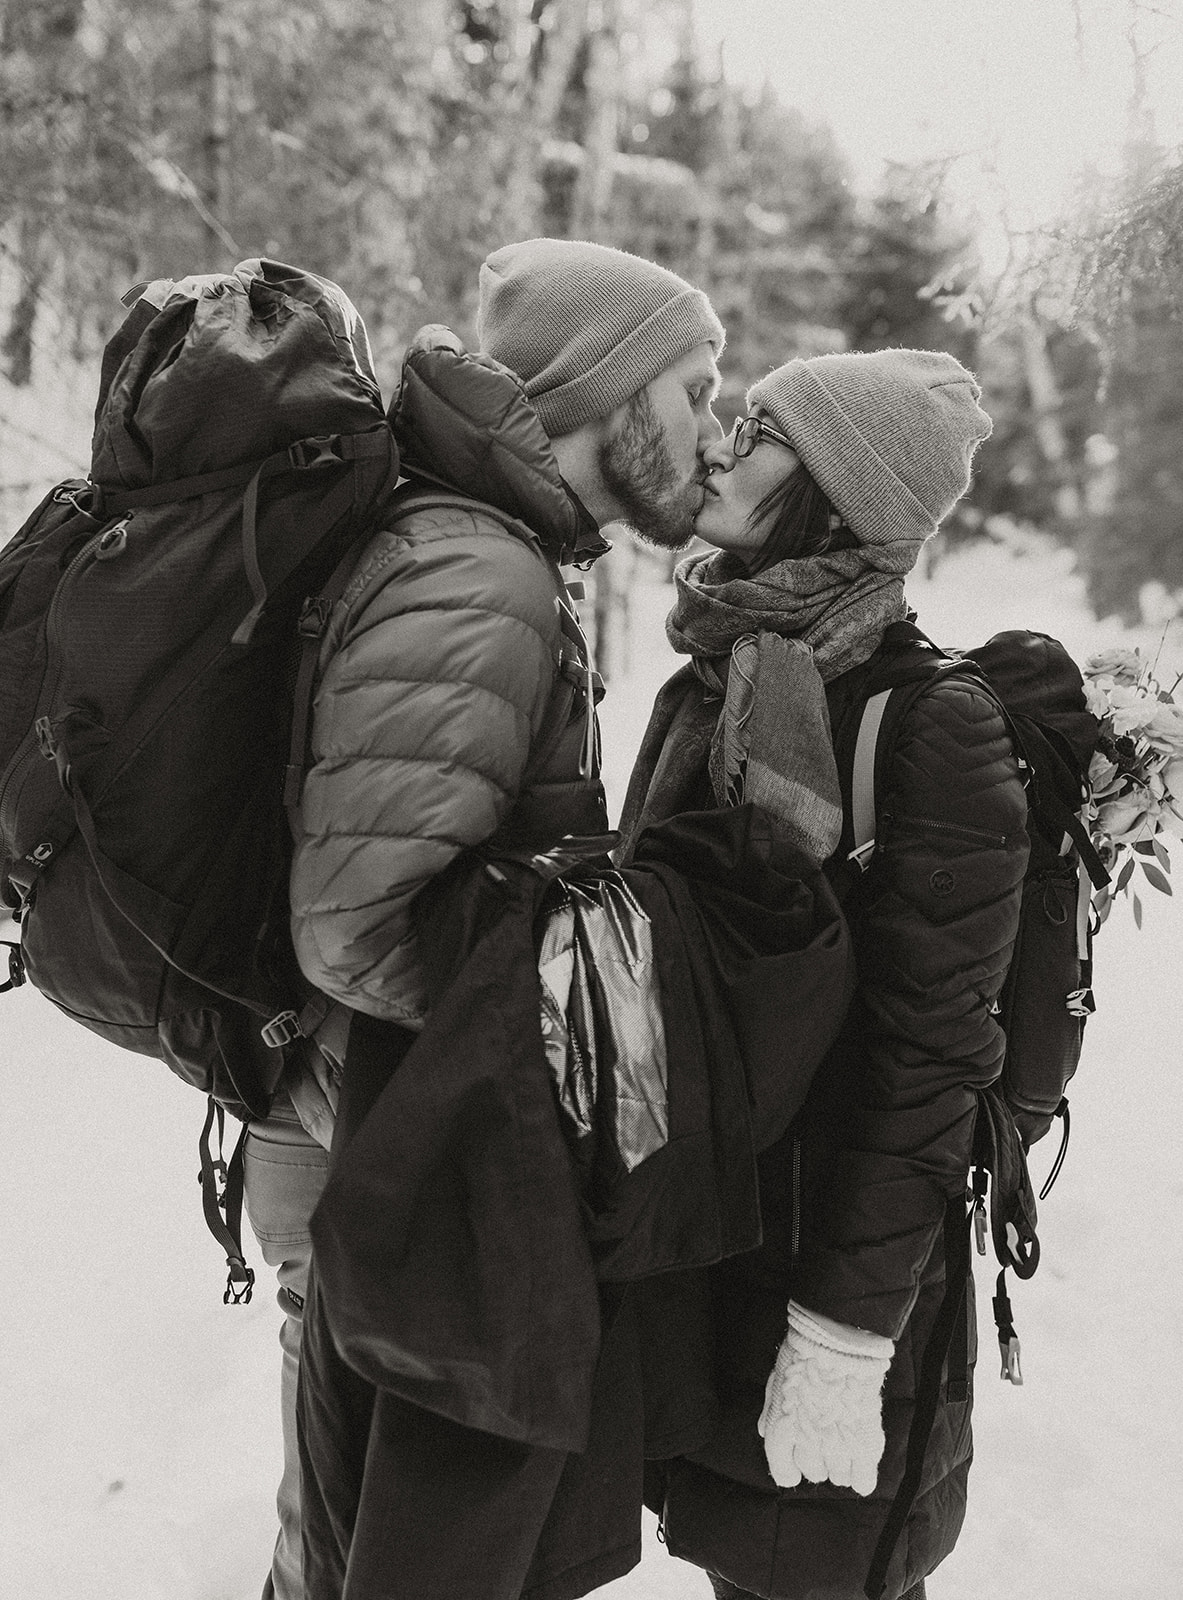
[(822, 1414)]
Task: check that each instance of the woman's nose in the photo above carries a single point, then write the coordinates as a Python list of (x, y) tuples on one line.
[(719, 456)]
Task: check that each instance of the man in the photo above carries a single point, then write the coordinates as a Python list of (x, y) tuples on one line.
[(449, 673)]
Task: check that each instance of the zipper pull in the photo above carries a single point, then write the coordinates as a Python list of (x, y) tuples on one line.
[(587, 756), (46, 738), (980, 1227), (113, 540), (979, 1205)]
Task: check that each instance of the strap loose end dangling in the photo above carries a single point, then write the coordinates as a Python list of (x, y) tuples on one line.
[(221, 1200), (16, 966), (240, 1282), (1062, 1112), (1008, 1339)]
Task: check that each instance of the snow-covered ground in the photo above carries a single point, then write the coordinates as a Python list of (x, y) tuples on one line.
[(139, 1436)]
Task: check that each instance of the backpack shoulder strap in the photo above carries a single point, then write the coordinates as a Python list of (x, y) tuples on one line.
[(432, 494), (862, 778), (314, 619), (887, 691)]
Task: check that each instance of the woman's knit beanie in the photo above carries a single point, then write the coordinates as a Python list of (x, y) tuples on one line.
[(584, 326), (889, 435)]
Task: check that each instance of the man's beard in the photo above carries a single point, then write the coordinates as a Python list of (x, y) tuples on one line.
[(636, 466)]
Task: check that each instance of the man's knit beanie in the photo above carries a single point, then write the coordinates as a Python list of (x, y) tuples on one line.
[(584, 326), (889, 436)]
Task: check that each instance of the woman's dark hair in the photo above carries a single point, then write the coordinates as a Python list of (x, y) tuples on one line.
[(797, 515)]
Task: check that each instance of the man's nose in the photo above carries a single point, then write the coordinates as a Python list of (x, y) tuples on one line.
[(710, 432)]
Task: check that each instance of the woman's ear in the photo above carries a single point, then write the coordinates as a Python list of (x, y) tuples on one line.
[(842, 535)]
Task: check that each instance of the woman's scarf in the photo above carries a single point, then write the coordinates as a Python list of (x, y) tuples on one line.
[(837, 604), (763, 648)]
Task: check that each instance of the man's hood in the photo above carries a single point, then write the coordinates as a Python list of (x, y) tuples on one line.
[(462, 420)]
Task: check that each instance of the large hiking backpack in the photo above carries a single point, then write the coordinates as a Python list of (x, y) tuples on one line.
[(1047, 995), (150, 645)]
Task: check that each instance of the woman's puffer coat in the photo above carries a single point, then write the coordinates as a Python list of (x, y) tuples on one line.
[(437, 677), (854, 1198)]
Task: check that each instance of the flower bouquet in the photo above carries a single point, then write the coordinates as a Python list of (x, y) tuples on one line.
[(1136, 775)]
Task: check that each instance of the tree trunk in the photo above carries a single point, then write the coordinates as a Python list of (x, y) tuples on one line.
[(589, 220), (216, 142), (723, 154), (593, 192), (1046, 407), (523, 180), (33, 265)]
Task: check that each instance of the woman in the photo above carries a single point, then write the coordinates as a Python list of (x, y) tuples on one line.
[(817, 507)]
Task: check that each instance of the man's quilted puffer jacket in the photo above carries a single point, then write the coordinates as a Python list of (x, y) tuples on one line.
[(446, 661)]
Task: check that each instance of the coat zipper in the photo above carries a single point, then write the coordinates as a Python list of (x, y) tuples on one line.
[(979, 835), (795, 1198)]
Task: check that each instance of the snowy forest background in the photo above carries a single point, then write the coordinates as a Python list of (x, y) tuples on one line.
[(390, 144)]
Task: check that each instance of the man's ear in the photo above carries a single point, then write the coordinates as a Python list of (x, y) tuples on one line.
[(578, 456)]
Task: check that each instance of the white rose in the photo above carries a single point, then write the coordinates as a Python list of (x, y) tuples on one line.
[(1096, 697), (1172, 777), (1171, 811), (1165, 728), (1123, 819), (1131, 711), (1119, 662), (1103, 774)]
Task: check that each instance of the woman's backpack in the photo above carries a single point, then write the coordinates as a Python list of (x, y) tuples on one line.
[(1047, 996), (159, 626)]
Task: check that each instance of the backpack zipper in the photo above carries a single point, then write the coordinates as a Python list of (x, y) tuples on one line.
[(111, 538), (31, 745)]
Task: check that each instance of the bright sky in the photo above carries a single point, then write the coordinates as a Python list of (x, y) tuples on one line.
[(1009, 85)]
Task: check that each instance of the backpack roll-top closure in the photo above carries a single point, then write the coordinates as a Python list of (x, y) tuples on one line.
[(278, 373)]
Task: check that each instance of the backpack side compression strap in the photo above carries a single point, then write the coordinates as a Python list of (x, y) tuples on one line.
[(221, 1200), (113, 502), (928, 1392)]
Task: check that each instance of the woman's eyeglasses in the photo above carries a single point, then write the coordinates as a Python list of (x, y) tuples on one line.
[(748, 431)]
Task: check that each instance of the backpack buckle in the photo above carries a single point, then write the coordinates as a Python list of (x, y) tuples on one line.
[(240, 1283), (1080, 1003), (861, 855), (314, 618), (316, 452), (71, 495), (281, 1030)]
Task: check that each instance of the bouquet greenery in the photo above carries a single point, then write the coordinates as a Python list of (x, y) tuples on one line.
[(1136, 775)]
